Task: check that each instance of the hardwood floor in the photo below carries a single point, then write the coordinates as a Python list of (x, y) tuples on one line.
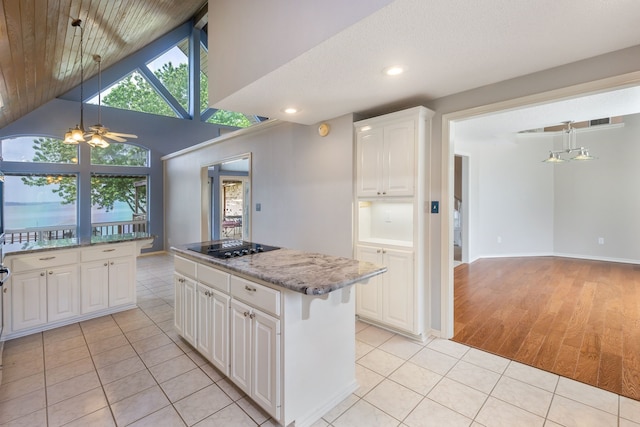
[(576, 318)]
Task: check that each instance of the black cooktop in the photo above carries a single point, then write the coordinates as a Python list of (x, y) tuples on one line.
[(231, 248)]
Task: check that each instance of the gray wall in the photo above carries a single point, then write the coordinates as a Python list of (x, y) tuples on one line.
[(303, 182)]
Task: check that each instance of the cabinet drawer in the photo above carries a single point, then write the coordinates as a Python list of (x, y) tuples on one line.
[(184, 267), (43, 260), (256, 295), (106, 252), (214, 278)]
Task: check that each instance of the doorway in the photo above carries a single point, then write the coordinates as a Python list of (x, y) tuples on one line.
[(460, 210)]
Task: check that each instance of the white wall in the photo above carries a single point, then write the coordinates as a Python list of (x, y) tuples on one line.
[(510, 197), (538, 208), (303, 182), (274, 33), (599, 198)]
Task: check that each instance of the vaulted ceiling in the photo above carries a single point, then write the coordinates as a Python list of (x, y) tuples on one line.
[(40, 50)]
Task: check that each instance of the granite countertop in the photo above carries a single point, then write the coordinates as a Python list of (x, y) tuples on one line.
[(305, 272), (47, 245)]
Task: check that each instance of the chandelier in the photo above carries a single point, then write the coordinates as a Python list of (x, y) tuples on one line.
[(569, 146)]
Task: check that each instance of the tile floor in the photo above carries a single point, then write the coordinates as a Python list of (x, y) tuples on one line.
[(131, 369)]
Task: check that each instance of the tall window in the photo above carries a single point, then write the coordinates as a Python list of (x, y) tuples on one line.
[(41, 191)]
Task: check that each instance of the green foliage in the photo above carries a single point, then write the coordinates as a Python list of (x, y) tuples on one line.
[(119, 154), (106, 190), (135, 93), (53, 150)]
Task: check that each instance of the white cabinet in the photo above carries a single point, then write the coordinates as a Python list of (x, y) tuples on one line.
[(63, 293), (56, 287), (40, 293), (212, 326), (392, 220), (255, 355), (386, 158), (185, 307), (390, 297), (28, 298), (108, 277)]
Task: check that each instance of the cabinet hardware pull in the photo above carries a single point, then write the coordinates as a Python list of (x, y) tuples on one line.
[(384, 251), (47, 258), (50, 272), (42, 274), (108, 250), (378, 251), (246, 313), (250, 289), (252, 316), (105, 264), (111, 262)]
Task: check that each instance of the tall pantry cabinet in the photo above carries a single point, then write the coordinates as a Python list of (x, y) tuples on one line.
[(391, 219)]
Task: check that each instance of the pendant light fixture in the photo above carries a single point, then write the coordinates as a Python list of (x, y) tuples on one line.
[(75, 135), (569, 146)]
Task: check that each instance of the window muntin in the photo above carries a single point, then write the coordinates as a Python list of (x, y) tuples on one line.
[(133, 92), (38, 149), (172, 69), (41, 201), (120, 154)]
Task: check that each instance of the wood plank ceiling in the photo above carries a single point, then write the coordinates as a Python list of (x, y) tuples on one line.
[(40, 50)]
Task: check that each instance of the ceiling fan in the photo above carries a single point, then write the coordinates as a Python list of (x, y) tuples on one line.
[(98, 132)]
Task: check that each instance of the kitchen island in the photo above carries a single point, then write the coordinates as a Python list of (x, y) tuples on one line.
[(58, 282), (279, 324)]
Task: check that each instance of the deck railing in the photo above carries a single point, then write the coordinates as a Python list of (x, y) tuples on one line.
[(34, 234)]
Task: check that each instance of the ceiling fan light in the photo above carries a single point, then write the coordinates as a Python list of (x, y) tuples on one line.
[(68, 138), (77, 134)]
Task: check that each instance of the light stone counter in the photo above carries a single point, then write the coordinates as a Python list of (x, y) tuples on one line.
[(304, 272), (144, 240)]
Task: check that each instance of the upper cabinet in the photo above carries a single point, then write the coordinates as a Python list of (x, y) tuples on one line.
[(386, 159)]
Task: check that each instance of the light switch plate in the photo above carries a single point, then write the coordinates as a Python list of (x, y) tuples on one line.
[(435, 207)]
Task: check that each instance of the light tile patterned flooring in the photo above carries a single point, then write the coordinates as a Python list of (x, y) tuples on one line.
[(132, 369)]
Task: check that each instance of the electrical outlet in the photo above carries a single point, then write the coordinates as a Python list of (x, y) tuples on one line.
[(601, 240), (258, 207), (499, 239)]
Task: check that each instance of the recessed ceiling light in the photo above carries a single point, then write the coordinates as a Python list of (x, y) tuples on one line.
[(393, 71), (290, 110)]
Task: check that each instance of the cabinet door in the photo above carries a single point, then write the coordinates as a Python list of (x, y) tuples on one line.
[(178, 307), (122, 281), (204, 329), (369, 293), (240, 345), (189, 324), (63, 293), (369, 167), (265, 369), (94, 286), (398, 289), (28, 300), (399, 159), (220, 340)]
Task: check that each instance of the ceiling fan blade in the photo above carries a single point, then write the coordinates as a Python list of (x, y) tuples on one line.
[(114, 137), (125, 135)]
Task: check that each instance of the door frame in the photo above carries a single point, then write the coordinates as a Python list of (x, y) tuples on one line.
[(447, 172)]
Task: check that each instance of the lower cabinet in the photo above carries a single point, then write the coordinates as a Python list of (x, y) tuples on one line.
[(255, 355), (56, 287), (212, 330), (225, 319), (185, 308), (271, 342), (44, 296), (389, 298)]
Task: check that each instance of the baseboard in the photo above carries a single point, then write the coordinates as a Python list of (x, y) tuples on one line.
[(310, 418), (560, 255)]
